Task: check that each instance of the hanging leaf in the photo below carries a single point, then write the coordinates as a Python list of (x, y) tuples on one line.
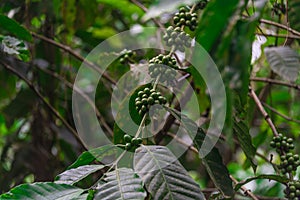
[(241, 130), (214, 22), (97, 154), (75, 175), (14, 28), (213, 160), (277, 178), (163, 175), (121, 184), (44, 191), (284, 61)]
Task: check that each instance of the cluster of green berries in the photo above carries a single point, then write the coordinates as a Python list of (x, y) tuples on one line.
[(132, 142), (162, 65), (127, 55), (288, 160), (146, 98), (292, 191), (282, 143), (289, 163), (177, 38), (185, 18)]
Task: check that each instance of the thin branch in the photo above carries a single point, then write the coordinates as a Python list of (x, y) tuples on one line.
[(180, 141), (263, 111), (245, 190), (141, 6), (52, 109), (282, 26), (277, 82), (280, 114), (76, 55), (279, 35), (79, 91)]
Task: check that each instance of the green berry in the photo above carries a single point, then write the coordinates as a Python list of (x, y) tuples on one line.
[(144, 101), (290, 140), (291, 160), (128, 146), (127, 138), (150, 101), (144, 108), (147, 91), (140, 93)]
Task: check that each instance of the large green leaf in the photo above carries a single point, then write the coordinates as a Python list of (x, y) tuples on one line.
[(121, 184), (163, 175), (97, 154), (75, 175), (215, 18), (213, 161), (43, 191), (277, 178), (14, 28), (284, 61), (241, 130), (294, 14)]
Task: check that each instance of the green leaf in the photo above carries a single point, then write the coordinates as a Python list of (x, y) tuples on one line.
[(77, 174), (163, 175), (98, 154), (14, 28), (165, 6), (294, 14), (215, 18), (213, 161), (124, 6), (236, 50), (121, 184), (241, 130), (284, 61), (277, 178), (215, 167), (43, 191)]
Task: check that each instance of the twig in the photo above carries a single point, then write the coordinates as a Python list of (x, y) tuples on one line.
[(76, 55), (279, 35), (265, 21), (280, 114), (180, 141), (263, 111), (141, 6), (245, 190), (52, 109), (277, 82)]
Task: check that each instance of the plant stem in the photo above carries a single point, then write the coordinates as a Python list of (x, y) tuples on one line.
[(263, 111)]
